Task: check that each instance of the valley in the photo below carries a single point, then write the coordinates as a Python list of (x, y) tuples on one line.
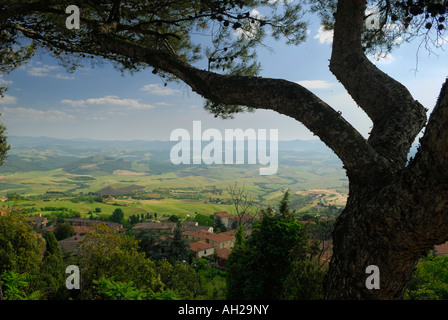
[(138, 177)]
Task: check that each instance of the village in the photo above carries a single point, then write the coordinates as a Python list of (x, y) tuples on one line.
[(203, 242)]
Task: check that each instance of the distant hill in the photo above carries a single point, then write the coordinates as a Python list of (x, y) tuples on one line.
[(82, 156), (37, 165)]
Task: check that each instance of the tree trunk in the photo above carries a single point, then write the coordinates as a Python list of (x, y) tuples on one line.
[(371, 231), (392, 221)]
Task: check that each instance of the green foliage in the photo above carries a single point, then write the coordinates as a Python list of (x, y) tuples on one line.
[(14, 286), (4, 146), (219, 225), (173, 218), (277, 252), (107, 253), (20, 248), (159, 246), (203, 220), (63, 231), (180, 277), (430, 281), (213, 280), (240, 237), (51, 278), (117, 216), (235, 29), (108, 289), (399, 21), (178, 246)]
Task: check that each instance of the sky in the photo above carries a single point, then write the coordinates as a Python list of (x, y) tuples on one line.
[(101, 103)]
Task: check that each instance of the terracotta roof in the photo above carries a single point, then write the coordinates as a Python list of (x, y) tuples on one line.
[(223, 253), (88, 222), (202, 234), (441, 249), (306, 221), (83, 229), (155, 226), (70, 244), (196, 228), (189, 223), (78, 229), (199, 246), (223, 214), (230, 232)]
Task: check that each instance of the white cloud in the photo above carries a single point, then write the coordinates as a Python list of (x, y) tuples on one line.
[(3, 81), (22, 114), (324, 36), (159, 90), (381, 58), (6, 99), (64, 76), (315, 84), (45, 70), (109, 100)]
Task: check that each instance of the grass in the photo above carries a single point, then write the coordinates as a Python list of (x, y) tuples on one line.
[(183, 191), (163, 208)]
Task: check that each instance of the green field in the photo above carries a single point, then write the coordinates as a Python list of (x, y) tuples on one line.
[(163, 208), (142, 179)]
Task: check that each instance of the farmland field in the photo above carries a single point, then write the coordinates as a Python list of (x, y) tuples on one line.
[(139, 177)]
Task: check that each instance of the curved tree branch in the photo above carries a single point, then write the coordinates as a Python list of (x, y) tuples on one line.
[(282, 96), (397, 118)]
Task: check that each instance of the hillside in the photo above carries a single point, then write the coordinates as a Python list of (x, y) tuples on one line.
[(143, 170)]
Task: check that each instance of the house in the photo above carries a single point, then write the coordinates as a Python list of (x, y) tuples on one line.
[(218, 241), (222, 257), (70, 245), (90, 223), (198, 228), (233, 221), (226, 219), (186, 224), (441, 250), (201, 249), (247, 232), (38, 222), (79, 230), (157, 227)]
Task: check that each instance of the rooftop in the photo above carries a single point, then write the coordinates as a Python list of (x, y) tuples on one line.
[(155, 226), (199, 246), (202, 234), (223, 253)]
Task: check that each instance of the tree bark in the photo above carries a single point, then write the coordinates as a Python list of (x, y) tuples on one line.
[(390, 221), (397, 117), (394, 223)]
